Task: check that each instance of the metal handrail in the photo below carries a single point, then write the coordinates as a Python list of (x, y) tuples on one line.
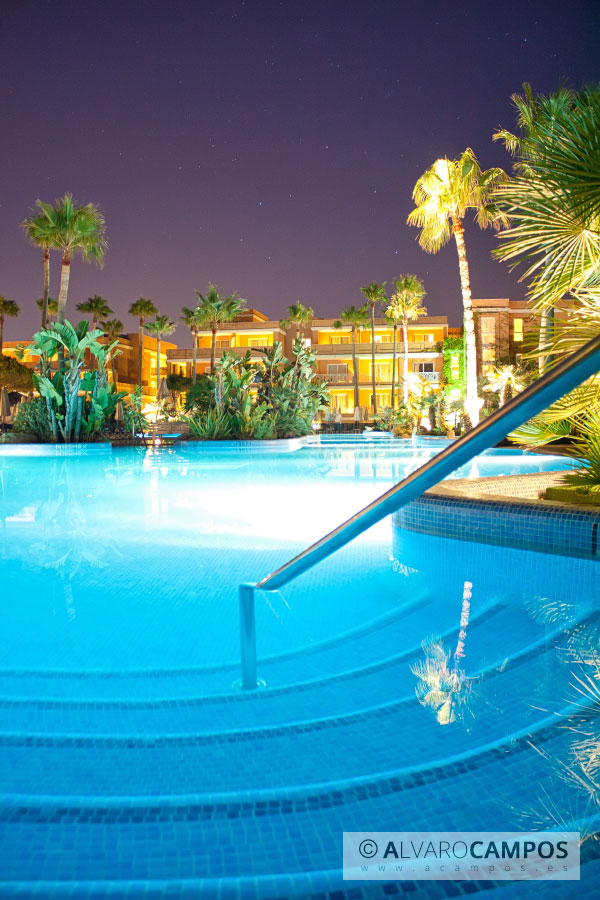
[(565, 376)]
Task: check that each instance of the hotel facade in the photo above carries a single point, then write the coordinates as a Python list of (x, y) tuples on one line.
[(504, 329)]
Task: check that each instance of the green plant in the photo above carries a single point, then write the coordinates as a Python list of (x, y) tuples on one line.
[(210, 425), (133, 418), (213, 311), (77, 406), (405, 306), (32, 418), (7, 308), (374, 294), (200, 396), (142, 309), (70, 229), (14, 374), (355, 318), (587, 447), (442, 196)]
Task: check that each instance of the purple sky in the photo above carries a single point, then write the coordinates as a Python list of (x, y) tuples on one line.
[(269, 147)]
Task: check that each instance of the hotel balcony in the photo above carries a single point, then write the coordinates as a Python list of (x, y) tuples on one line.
[(363, 382), (380, 347)]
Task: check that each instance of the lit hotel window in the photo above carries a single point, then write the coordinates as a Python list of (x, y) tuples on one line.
[(517, 329)]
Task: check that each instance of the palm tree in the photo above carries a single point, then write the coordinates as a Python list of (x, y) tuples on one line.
[(356, 318), (142, 308), (214, 310), (51, 306), (113, 329), (40, 232), (553, 204), (553, 201), (161, 326), (298, 315), (405, 306), (73, 229), (97, 307), (193, 319), (504, 381), (442, 195), (7, 308), (375, 293)]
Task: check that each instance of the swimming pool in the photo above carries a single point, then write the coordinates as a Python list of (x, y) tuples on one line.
[(128, 762)]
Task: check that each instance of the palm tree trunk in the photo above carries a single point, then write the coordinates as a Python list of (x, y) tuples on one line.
[(394, 369), (213, 347), (472, 400), (1, 334), (46, 285), (194, 357), (113, 371), (405, 367), (140, 350), (157, 364), (354, 369), (65, 273), (373, 357)]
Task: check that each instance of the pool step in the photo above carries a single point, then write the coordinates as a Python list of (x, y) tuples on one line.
[(243, 759), (114, 847), (358, 649), (388, 683)]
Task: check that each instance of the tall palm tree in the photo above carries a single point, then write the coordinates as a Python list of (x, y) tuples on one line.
[(40, 232), (7, 308), (300, 316), (161, 326), (355, 317), (214, 311), (405, 306), (97, 307), (50, 305), (73, 230), (375, 293), (113, 329), (442, 195), (553, 199), (193, 319), (142, 308)]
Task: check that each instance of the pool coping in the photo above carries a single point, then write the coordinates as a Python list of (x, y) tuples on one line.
[(506, 510), (32, 449)]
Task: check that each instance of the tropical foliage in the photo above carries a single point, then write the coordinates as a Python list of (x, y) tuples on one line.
[(374, 294), (553, 203), (161, 326), (355, 318), (214, 310), (405, 306), (298, 315), (273, 398), (7, 308), (194, 320), (504, 381), (443, 195), (71, 230), (142, 309), (97, 307), (77, 405), (14, 375)]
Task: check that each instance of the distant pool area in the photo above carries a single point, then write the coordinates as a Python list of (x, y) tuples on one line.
[(129, 762)]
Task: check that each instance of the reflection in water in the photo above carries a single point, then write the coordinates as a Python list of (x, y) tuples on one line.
[(570, 792), (445, 690)]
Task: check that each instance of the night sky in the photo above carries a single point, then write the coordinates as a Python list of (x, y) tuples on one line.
[(269, 147)]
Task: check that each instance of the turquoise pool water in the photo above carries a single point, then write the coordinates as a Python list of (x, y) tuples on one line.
[(130, 767)]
